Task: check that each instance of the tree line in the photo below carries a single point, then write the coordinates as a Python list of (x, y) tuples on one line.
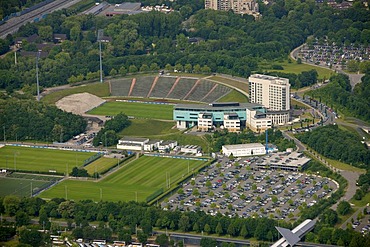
[(225, 42), (335, 143), (26, 119), (338, 95)]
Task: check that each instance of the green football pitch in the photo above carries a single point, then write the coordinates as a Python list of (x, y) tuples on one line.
[(135, 109), (41, 159), (134, 181), (19, 187)]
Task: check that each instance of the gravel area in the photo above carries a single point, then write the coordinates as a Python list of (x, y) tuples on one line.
[(79, 103)]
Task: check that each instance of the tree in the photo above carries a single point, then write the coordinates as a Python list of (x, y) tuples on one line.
[(132, 69), (208, 242), (21, 219), (207, 228), (46, 33), (343, 208), (122, 71), (142, 237), (219, 229), (11, 204), (244, 231), (162, 240), (184, 223), (113, 72), (31, 237)]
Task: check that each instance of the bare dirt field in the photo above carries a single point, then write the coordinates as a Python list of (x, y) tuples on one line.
[(79, 103)]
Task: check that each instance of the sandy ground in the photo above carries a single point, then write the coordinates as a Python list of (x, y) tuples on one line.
[(79, 103)]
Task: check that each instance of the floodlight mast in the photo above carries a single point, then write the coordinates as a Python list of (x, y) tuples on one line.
[(37, 75), (100, 35)]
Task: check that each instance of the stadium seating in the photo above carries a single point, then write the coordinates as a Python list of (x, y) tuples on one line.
[(201, 90), (162, 87), (182, 88), (120, 87), (142, 86), (216, 94)]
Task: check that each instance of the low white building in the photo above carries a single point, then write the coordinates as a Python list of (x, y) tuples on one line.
[(152, 145), (129, 143), (166, 146), (191, 149), (240, 150)]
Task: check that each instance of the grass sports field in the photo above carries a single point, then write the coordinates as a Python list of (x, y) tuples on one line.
[(100, 165), (19, 187), (40, 159), (140, 178), (135, 109), (139, 127)]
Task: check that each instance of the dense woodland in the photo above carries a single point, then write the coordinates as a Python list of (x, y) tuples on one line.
[(338, 95), (27, 119), (338, 144), (227, 43)]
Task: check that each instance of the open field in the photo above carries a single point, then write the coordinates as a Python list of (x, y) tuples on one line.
[(343, 166), (137, 110), (139, 127), (19, 187), (40, 159), (234, 96), (100, 165), (296, 68), (98, 89), (139, 178)]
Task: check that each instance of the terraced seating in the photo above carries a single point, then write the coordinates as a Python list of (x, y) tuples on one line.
[(162, 87), (201, 90), (182, 88), (120, 87), (216, 94), (142, 86)]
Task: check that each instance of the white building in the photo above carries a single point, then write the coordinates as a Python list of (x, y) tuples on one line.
[(151, 145), (129, 143), (240, 150), (274, 94), (191, 149), (166, 146), (258, 121), (238, 6), (205, 121), (232, 122)]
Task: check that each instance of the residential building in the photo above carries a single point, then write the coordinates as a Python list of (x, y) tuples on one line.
[(238, 6)]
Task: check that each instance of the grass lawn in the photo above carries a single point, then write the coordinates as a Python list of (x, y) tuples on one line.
[(363, 202), (228, 81), (296, 68), (135, 109), (98, 89), (100, 165), (139, 127), (19, 187), (40, 159), (140, 178), (234, 96), (343, 166)]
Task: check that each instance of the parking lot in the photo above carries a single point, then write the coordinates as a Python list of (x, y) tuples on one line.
[(241, 188)]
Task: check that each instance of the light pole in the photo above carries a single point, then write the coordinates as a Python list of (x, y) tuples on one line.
[(100, 35), (37, 75), (105, 134)]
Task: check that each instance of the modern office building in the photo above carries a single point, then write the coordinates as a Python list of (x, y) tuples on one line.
[(238, 6), (232, 116), (274, 94)]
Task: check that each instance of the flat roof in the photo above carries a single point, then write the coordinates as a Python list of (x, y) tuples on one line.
[(244, 146), (273, 79), (224, 107), (133, 139), (127, 6)]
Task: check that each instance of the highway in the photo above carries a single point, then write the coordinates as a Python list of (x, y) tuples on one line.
[(13, 24)]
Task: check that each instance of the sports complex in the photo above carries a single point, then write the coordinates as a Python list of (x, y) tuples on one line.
[(44, 171)]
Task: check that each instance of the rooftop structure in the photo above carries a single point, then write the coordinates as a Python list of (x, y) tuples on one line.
[(238, 6), (293, 237), (240, 150)]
